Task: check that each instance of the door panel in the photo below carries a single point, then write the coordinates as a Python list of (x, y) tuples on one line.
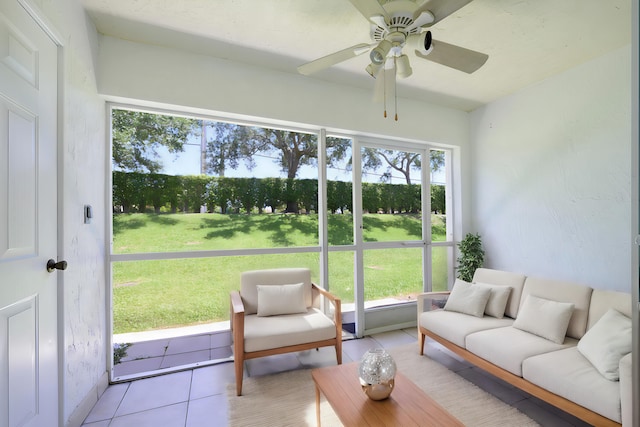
[(28, 221), (19, 320), (392, 233), (19, 212)]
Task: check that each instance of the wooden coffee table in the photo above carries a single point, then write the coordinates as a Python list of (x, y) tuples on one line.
[(408, 405)]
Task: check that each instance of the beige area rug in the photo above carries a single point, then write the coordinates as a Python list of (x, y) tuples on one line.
[(288, 399)]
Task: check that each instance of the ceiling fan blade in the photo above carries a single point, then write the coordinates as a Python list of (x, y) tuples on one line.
[(457, 57), (380, 21), (443, 8), (423, 19), (369, 8), (333, 58)]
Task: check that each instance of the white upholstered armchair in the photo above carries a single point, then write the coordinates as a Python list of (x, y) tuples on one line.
[(279, 311)]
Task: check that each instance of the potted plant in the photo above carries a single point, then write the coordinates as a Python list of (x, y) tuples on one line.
[(470, 257)]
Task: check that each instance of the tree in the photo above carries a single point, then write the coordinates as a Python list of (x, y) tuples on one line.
[(231, 143), (290, 151), (293, 149), (137, 137), (400, 161)]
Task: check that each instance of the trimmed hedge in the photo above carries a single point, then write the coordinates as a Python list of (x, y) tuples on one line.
[(141, 192)]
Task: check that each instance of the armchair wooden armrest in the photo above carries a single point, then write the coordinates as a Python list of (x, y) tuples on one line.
[(317, 292), (237, 322), (237, 308)]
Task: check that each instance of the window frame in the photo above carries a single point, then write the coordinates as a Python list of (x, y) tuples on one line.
[(323, 248)]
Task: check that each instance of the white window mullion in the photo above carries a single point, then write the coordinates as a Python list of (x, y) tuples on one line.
[(358, 258), (449, 216), (323, 235), (425, 181)]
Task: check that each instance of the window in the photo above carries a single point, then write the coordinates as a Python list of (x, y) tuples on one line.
[(196, 201)]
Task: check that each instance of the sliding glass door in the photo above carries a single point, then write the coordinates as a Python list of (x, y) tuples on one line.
[(392, 231)]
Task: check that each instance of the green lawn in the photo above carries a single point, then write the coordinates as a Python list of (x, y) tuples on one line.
[(162, 294)]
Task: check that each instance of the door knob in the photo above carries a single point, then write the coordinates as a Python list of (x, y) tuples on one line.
[(53, 265)]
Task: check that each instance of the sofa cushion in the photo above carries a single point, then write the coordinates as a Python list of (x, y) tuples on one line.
[(454, 327), (606, 342), (561, 291), (509, 347), (505, 278), (262, 333), (275, 300), (603, 300), (570, 375), (545, 318), (497, 299), (467, 299)]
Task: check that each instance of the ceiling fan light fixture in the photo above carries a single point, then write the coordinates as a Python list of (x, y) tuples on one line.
[(379, 53), (421, 43), (403, 67), (373, 69)]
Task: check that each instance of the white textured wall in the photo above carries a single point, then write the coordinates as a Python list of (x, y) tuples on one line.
[(173, 77), (551, 192), (83, 172)]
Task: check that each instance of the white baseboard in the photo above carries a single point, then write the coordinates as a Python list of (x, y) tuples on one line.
[(86, 405)]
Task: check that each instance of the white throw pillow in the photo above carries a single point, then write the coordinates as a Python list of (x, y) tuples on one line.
[(607, 342), (467, 299), (497, 300), (281, 299), (545, 318)]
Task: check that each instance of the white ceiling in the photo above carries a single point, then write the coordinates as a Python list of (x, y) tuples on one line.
[(526, 40)]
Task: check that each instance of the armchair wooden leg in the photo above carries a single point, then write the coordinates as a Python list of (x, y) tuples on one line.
[(421, 338), (238, 341), (339, 351), (239, 365)]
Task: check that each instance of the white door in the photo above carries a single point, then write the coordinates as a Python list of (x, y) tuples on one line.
[(28, 221)]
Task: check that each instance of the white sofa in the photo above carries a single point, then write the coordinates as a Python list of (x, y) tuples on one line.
[(529, 348)]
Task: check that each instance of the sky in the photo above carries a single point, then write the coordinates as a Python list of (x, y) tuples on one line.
[(188, 163)]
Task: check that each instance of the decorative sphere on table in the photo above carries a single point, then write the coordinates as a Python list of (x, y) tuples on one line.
[(377, 371)]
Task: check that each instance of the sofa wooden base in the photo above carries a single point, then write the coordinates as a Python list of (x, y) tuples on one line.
[(566, 405)]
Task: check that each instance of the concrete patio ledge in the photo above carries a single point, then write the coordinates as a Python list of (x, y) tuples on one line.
[(136, 337)]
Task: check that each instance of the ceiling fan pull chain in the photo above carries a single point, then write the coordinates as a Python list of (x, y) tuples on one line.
[(384, 90), (395, 93)]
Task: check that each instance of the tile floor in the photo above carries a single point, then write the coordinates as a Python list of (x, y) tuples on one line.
[(197, 397)]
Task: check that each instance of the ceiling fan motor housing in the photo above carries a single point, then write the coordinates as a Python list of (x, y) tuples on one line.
[(399, 29), (397, 23)]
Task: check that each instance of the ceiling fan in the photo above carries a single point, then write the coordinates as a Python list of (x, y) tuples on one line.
[(398, 25)]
